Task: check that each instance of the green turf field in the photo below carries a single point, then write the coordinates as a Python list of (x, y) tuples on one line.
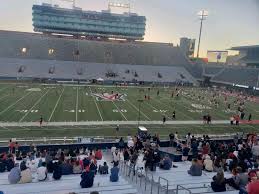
[(27, 102)]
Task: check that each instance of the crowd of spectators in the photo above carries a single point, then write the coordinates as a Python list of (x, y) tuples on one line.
[(53, 164), (141, 153)]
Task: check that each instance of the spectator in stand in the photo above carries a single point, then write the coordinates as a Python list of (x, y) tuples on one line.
[(98, 154), (239, 179), (133, 160), (113, 149), (11, 147), (104, 169), (126, 155), (87, 179), (194, 147), (26, 176), (206, 149), (253, 186), (77, 168), (57, 170), (185, 152), (195, 169), (116, 156), (255, 150), (171, 139), (208, 164), (66, 167), (14, 175), (130, 143), (219, 182), (42, 172), (121, 144), (93, 166), (166, 163), (114, 173), (2, 163), (9, 162)]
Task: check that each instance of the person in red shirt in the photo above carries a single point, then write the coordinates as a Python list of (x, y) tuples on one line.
[(98, 154), (253, 186), (11, 146)]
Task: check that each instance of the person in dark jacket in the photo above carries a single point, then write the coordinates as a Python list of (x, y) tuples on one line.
[(196, 168), (103, 169), (219, 182), (166, 163), (114, 173), (57, 170), (87, 179), (67, 168), (2, 165), (9, 163)]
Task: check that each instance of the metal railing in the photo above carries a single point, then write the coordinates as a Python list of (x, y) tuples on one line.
[(163, 187), (180, 187)]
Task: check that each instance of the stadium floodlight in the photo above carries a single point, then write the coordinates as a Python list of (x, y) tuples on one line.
[(71, 1), (24, 50), (203, 14), (120, 5)]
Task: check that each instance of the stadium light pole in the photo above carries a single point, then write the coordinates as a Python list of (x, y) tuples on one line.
[(139, 105), (203, 14)]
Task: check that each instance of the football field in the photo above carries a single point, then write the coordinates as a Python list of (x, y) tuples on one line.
[(57, 103)]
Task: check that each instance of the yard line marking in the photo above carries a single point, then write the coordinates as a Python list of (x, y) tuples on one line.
[(33, 106), (3, 89), (56, 105), (158, 110), (14, 103), (96, 104), (119, 110), (137, 109), (4, 96), (76, 102), (184, 114)]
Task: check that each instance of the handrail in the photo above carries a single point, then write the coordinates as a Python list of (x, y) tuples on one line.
[(146, 179), (159, 184), (178, 187)]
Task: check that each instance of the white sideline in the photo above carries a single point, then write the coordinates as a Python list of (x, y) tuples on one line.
[(103, 123)]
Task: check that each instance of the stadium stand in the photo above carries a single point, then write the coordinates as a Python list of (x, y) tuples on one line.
[(26, 45), (32, 68)]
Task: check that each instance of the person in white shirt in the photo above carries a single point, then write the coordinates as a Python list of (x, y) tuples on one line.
[(113, 148), (130, 143), (42, 172), (116, 156)]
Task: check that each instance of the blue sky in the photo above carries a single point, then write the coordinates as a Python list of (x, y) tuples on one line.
[(230, 22)]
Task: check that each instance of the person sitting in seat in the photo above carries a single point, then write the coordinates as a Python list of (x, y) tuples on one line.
[(104, 169), (77, 168), (166, 163), (9, 162), (14, 175), (208, 164), (42, 172), (196, 168), (26, 176), (114, 173), (87, 179), (219, 182), (67, 168), (2, 164), (57, 170)]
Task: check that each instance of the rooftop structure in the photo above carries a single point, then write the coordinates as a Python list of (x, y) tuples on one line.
[(56, 20)]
